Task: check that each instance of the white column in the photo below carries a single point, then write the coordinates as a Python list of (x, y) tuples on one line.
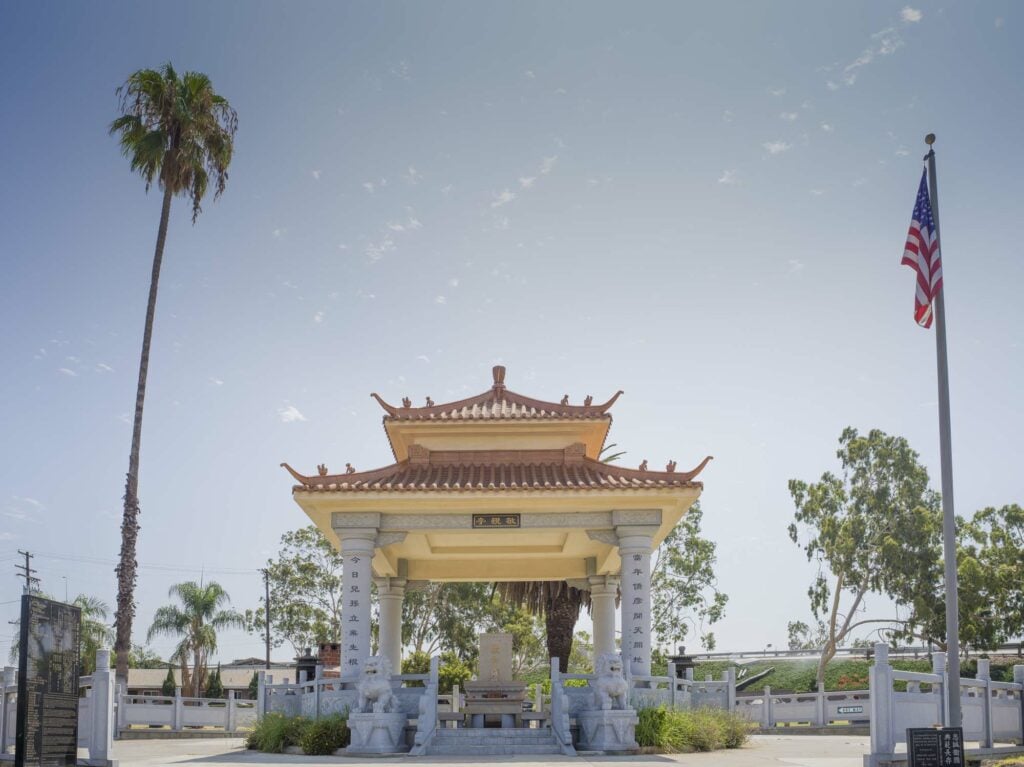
[(101, 740), (391, 592), (635, 551), (357, 551), (603, 590)]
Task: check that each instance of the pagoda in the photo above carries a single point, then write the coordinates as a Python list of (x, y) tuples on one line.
[(497, 487)]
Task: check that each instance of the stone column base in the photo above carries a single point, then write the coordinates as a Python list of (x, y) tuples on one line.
[(377, 733), (607, 730)]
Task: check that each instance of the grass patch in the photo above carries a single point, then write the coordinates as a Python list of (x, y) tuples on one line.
[(325, 736), (275, 732), (702, 729)]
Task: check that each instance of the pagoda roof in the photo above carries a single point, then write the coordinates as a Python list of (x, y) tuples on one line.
[(497, 403), (568, 469)]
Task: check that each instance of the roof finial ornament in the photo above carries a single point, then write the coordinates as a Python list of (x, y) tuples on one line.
[(588, 401), (643, 465), (498, 371), (671, 467), (350, 469), (565, 400), (430, 402), (406, 402), (322, 469)]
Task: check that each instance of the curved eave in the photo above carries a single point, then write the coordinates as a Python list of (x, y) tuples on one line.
[(546, 410)]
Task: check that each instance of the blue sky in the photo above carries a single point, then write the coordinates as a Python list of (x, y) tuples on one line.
[(703, 205)]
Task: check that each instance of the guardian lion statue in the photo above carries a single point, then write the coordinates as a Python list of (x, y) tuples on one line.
[(610, 689), (374, 687)]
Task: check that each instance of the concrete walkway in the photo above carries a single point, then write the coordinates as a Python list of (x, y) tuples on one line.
[(761, 751)]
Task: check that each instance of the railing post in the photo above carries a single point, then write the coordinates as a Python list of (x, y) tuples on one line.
[(689, 674), (730, 691), (985, 675), (455, 699), (939, 668), (819, 705), (101, 739), (538, 697), (883, 738), (261, 693), (9, 682), (179, 710), (1018, 678), (672, 685), (766, 708), (316, 690), (232, 713)]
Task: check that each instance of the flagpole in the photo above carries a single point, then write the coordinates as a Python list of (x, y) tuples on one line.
[(946, 455)]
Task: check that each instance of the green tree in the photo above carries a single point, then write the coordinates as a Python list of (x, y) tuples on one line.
[(179, 134), (305, 592), (196, 621), (214, 687), (558, 603), (169, 685), (144, 657), (803, 637), (254, 686), (875, 529), (447, 617), (684, 589)]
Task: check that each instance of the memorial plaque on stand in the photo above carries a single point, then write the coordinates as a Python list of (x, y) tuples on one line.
[(935, 747), (47, 732)]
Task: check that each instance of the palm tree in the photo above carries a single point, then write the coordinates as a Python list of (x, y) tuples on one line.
[(196, 622), (178, 133), (558, 602)]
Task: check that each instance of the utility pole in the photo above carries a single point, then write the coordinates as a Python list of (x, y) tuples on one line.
[(266, 587), (28, 573)]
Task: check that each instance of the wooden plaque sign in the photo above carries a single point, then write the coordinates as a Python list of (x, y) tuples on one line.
[(47, 683), (935, 747), (495, 520)]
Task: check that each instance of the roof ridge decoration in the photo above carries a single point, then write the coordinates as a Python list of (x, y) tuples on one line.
[(574, 472), (528, 407)]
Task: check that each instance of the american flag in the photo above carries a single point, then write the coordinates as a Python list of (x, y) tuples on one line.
[(921, 254)]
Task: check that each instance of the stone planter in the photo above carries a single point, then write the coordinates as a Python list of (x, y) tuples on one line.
[(377, 733), (607, 730)]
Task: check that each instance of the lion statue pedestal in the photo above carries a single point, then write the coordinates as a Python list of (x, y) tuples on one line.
[(376, 727), (611, 725)]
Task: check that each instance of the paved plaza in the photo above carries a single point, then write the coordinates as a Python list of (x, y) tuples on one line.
[(762, 750)]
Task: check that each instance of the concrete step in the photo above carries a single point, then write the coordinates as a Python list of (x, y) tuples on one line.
[(468, 732), (491, 750)]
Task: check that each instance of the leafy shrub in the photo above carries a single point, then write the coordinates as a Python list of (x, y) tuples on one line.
[(325, 736), (169, 685), (275, 732), (702, 729)]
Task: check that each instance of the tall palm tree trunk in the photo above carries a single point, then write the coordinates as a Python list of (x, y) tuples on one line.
[(127, 567), (562, 610)]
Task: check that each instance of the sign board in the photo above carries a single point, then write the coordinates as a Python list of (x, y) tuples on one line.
[(47, 734), (495, 520), (851, 710), (935, 747), (495, 657)]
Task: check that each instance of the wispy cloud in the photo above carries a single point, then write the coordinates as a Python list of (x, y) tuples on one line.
[(279, 233), (828, 127), (728, 116), (216, 381), (440, 300), (776, 147), (529, 75), (794, 265), (377, 250), (413, 176), (777, 91), (789, 116), (503, 198), (315, 174), (318, 317), (525, 182), (883, 43), (67, 372), (290, 414), (728, 178), (103, 367), (423, 358), (911, 15), (548, 164)]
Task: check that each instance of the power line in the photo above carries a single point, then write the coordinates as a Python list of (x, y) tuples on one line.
[(150, 566)]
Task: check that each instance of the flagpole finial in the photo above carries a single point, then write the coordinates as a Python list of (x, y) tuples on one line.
[(929, 139)]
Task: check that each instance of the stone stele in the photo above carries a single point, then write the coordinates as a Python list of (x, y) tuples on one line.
[(495, 657)]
